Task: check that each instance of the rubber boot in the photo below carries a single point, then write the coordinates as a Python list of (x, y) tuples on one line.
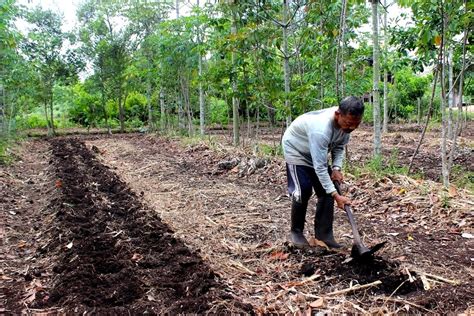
[(298, 216), (323, 221)]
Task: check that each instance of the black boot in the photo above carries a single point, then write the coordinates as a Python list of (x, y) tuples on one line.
[(323, 221), (298, 215)]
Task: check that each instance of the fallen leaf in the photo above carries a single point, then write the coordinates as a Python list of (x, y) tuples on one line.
[(279, 255), (21, 244), (410, 237), (401, 258), (137, 257), (467, 235), (313, 242), (452, 191), (318, 303), (58, 183)]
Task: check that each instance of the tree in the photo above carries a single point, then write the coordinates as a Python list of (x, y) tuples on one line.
[(43, 48), (376, 76)]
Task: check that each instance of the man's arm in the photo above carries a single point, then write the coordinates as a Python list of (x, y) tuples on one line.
[(319, 147)]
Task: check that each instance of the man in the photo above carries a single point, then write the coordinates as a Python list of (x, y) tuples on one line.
[(306, 145)]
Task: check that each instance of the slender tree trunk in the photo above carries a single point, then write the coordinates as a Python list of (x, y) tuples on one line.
[(187, 104), (340, 52), (444, 129), (385, 72), (451, 92), (3, 117), (46, 115), (151, 123), (202, 108), (51, 113), (418, 116), (376, 78), (179, 103), (461, 92), (235, 100), (121, 112), (162, 109), (286, 61)]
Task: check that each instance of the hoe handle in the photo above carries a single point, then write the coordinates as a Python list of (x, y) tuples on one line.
[(350, 216)]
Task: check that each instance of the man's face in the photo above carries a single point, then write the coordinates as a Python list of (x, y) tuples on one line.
[(347, 122)]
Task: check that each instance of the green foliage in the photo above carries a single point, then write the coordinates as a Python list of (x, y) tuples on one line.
[(135, 107), (405, 93), (368, 113), (33, 120), (134, 123), (218, 111), (271, 150)]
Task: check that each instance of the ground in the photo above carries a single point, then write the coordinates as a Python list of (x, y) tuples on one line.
[(141, 223)]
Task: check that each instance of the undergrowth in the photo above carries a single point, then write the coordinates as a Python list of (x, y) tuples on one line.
[(378, 168)]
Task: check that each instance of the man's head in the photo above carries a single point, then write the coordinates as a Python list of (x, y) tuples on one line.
[(349, 114)]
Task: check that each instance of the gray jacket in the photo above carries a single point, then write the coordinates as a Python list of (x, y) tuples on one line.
[(310, 138)]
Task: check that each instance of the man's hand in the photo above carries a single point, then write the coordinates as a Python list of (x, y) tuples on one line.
[(342, 200), (336, 175)]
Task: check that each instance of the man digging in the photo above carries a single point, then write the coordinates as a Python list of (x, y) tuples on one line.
[(306, 145)]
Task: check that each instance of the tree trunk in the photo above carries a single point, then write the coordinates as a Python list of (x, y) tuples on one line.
[(235, 100), (376, 78), (202, 108), (451, 92), (151, 123), (3, 117), (162, 110), (51, 113), (418, 116), (461, 92), (340, 53), (179, 102), (385, 74), (286, 61), (45, 106), (444, 129), (121, 112)]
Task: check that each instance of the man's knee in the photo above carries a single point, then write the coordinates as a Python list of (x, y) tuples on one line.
[(301, 196)]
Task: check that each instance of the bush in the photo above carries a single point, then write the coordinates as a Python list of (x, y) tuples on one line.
[(134, 123), (34, 120), (135, 107), (368, 113), (218, 111)]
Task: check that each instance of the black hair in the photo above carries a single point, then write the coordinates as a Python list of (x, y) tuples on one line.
[(352, 105)]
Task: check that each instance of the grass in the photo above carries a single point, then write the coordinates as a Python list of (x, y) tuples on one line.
[(6, 154), (378, 168), (462, 178)]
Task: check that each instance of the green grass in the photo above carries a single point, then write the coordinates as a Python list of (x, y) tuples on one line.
[(462, 178), (378, 168), (6, 154)]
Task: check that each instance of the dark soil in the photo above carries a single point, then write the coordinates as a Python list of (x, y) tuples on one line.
[(110, 254)]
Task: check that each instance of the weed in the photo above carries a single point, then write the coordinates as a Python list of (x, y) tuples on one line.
[(271, 150), (462, 178), (379, 169)]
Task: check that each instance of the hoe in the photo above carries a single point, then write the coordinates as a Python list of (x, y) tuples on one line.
[(359, 250)]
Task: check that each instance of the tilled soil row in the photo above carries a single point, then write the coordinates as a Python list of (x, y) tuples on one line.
[(113, 255)]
